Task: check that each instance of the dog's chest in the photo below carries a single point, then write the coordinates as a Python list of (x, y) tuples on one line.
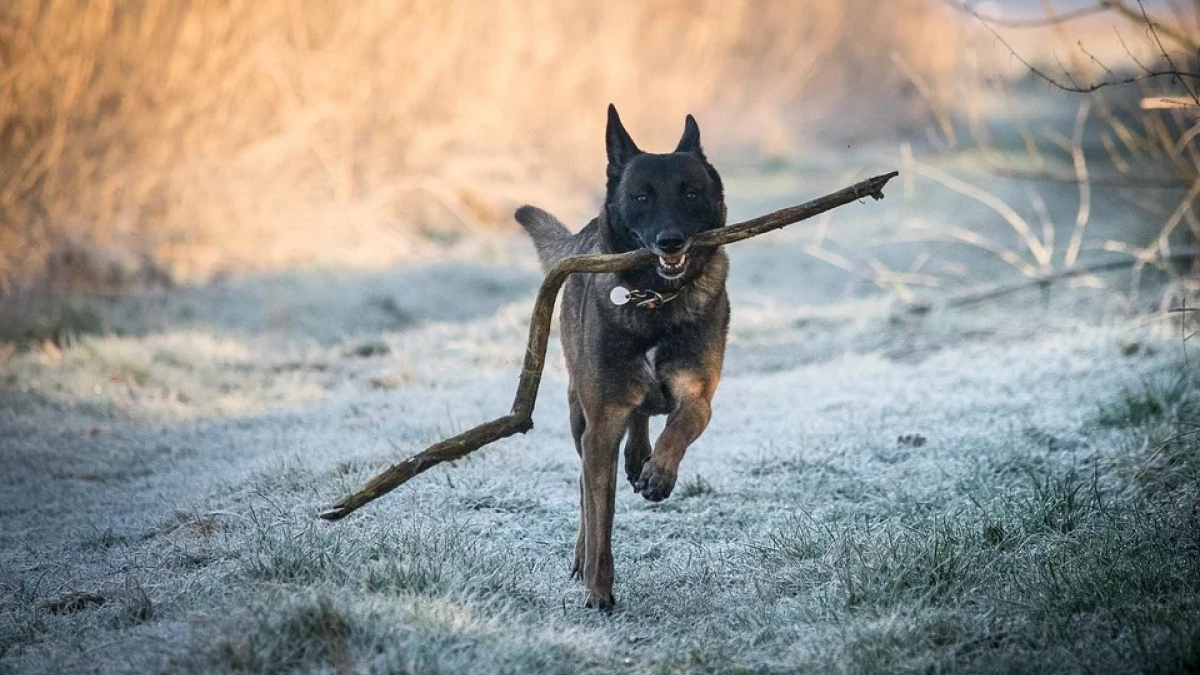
[(657, 399), (652, 326), (650, 360)]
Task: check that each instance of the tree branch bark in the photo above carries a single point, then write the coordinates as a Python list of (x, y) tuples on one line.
[(520, 419)]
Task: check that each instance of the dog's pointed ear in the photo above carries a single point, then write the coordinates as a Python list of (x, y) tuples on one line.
[(617, 142), (690, 141)]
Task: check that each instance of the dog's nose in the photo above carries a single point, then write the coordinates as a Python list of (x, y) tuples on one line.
[(670, 241)]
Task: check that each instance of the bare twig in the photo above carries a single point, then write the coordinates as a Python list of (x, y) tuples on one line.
[(1041, 253), (1074, 86), (1030, 23), (1139, 16), (1043, 280), (520, 419), (1083, 213), (1155, 30), (1114, 182)]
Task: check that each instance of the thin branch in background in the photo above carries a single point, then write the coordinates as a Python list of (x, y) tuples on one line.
[(1039, 207), (1072, 85), (1041, 254), (921, 260), (1027, 137), (1060, 31), (1094, 59), (1083, 212), (827, 256), (957, 271), (1163, 241), (1132, 141), (1030, 23), (821, 229), (1139, 16), (907, 161), (1179, 14), (1183, 310), (1042, 177), (1136, 253), (1114, 153), (1193, 221), (961, 235), (899, 282), (1154, 31), (1000, 290), (877, 273), (1183, 329), (1129, 52), (1187, 137), (927, 92), (1069, 73)]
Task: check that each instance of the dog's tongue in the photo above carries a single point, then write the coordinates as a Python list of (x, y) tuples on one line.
[(672, 260)]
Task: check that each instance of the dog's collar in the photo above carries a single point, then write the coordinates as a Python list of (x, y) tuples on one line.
[(646, 299)]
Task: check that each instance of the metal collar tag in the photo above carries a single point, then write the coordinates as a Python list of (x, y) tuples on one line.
[(644, 299)]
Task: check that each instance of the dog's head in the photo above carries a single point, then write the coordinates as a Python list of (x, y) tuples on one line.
[(660, 202)]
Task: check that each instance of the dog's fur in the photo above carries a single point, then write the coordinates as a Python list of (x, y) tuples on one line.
[(627, 363)]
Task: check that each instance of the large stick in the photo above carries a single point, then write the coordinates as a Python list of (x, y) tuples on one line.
[(520, 419)]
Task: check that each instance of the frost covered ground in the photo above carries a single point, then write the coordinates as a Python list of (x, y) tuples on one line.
[(1010, 487)]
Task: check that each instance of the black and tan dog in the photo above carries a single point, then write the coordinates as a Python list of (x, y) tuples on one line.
[(645, 342)]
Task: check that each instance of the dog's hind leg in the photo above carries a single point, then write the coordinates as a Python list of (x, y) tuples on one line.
[(637, 447)]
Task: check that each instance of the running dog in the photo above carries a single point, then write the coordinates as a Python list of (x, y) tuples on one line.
[(649, 341)]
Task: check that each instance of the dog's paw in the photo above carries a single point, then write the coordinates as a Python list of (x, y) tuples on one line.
[(601, 601), (655, 483)]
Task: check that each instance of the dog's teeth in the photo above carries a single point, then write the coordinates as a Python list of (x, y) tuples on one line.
[(680, 262)]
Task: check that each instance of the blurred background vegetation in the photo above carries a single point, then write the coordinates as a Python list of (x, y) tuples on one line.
[(146, 142), (182, 139)]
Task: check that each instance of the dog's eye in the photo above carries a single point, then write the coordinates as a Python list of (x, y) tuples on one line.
[(641, 199), (691, 195)]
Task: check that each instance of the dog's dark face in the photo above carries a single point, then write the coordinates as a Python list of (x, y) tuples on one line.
[(660, 202)]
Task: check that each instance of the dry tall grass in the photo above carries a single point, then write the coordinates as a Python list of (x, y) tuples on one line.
[(193, 137), (1134, 68)]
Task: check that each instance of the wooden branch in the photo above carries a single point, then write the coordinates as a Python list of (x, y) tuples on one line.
[(520, 419)]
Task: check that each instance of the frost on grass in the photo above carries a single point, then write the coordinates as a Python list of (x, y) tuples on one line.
[(1046, 522), (174, 375), (1033, 525)]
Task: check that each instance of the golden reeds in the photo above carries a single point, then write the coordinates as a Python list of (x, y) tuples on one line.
[(199, 136)]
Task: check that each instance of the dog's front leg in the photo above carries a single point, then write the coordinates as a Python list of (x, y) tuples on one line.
[(693, 394), (601, 444)]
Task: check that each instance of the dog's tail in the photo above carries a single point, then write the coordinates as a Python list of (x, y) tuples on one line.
[(550, 237)]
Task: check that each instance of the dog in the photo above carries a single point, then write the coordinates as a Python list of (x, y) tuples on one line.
[(644, 342)]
